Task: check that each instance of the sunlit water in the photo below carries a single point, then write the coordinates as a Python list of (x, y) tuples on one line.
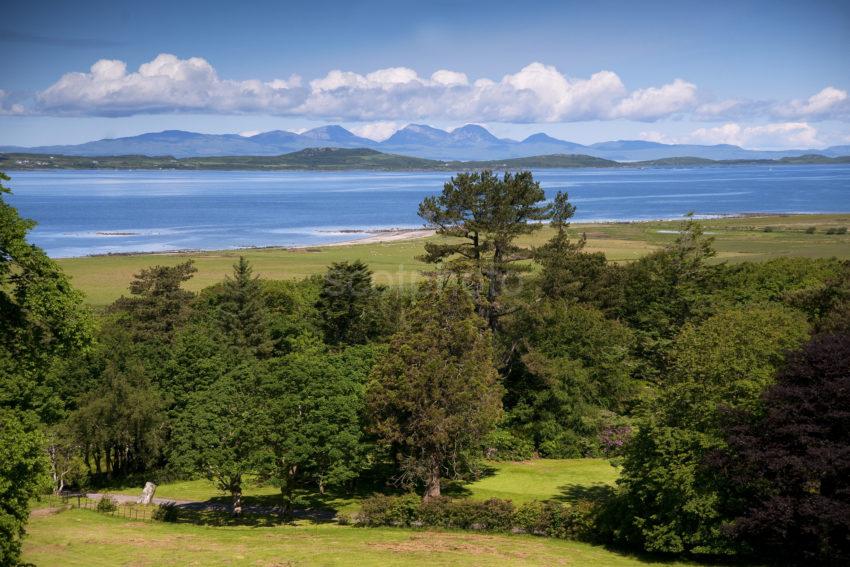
[(96, 212)]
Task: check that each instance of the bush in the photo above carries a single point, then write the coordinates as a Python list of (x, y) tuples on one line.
[(502, 445), (166, 512), (389, 510), (107, 504), (839, 230), (612, 439), (769, 229), (567, 445), (811, 230), (552, 519), (493, 514)]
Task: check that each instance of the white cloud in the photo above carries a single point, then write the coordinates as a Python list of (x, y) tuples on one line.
[(658, 102), (765, 136), (449, 78), (828, 103), (8, 106), (249, 133), (654, 136), (166, 84), (378, 131), (537, 93)]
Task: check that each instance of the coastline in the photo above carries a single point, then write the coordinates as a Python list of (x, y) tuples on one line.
[(389, 235), (374, 237)]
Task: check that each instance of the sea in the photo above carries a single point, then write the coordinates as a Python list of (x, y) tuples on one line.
[(81, 213)]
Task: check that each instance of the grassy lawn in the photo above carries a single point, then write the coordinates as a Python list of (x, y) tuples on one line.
[(86, 538), (540, 479), (200, 489), (104, 278)]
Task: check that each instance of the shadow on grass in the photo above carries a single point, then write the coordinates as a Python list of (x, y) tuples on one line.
[(597, 493), (305, 504), (456, 488)]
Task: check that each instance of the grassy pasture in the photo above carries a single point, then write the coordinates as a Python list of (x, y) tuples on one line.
[(540, 479), (82, 538), (105, 278)]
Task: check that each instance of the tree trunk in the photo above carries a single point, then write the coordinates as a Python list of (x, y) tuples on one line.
[(236, 493), (51, 450), (432, 483)]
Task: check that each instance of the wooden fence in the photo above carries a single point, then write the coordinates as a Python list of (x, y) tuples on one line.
[(129, 511)]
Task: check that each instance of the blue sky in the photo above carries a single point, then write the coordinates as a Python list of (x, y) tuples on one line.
[(759, 74)]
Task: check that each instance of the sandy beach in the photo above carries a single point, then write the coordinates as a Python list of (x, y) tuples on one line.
[(391, 235)]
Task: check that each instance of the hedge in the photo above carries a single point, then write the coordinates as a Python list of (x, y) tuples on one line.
[(546, 518)]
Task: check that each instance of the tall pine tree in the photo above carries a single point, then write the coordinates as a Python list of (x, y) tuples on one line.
[(242, 311), (488, 213)]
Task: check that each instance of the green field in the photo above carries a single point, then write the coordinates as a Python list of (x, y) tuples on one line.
[(105, 278), (540, 479), (87, 539), (83, 537)]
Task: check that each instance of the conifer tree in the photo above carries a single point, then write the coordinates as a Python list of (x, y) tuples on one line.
[(488, 213), (346, 304), (436, 394), (242, 310)]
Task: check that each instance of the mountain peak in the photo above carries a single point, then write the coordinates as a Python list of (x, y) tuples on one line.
[(417, 134), (332, 132), (472, 133), (540, 137)]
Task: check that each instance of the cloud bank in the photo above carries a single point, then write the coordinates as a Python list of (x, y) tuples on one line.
[(537, 93), (778, 135)]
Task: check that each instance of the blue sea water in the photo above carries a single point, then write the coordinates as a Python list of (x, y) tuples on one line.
[(95, 212)]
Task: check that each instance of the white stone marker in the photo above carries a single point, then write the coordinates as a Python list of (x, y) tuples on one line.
[(147, 494)]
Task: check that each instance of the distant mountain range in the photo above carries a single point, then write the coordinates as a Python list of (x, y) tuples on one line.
[(364, 158), (469, 142)]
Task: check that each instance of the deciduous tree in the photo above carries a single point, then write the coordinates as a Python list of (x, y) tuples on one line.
[(220, 433), (787, 463)]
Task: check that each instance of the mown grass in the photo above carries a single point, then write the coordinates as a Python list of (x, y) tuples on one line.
[(105, 278), (88, 539), (199, 490), (544, 479), (539, 479)]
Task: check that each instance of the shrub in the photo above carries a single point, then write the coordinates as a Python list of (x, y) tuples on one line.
[(769, 229), (493, 514), (612, 438), (811, 230), (166, 512), (838, 230), (389, 510), (566, 445), (107, 504), (549, 518), (502, 445)]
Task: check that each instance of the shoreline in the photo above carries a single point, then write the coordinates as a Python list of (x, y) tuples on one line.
[(375, 237), (389, 235)]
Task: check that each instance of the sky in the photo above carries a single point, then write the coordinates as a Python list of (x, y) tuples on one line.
[(759, 74)]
